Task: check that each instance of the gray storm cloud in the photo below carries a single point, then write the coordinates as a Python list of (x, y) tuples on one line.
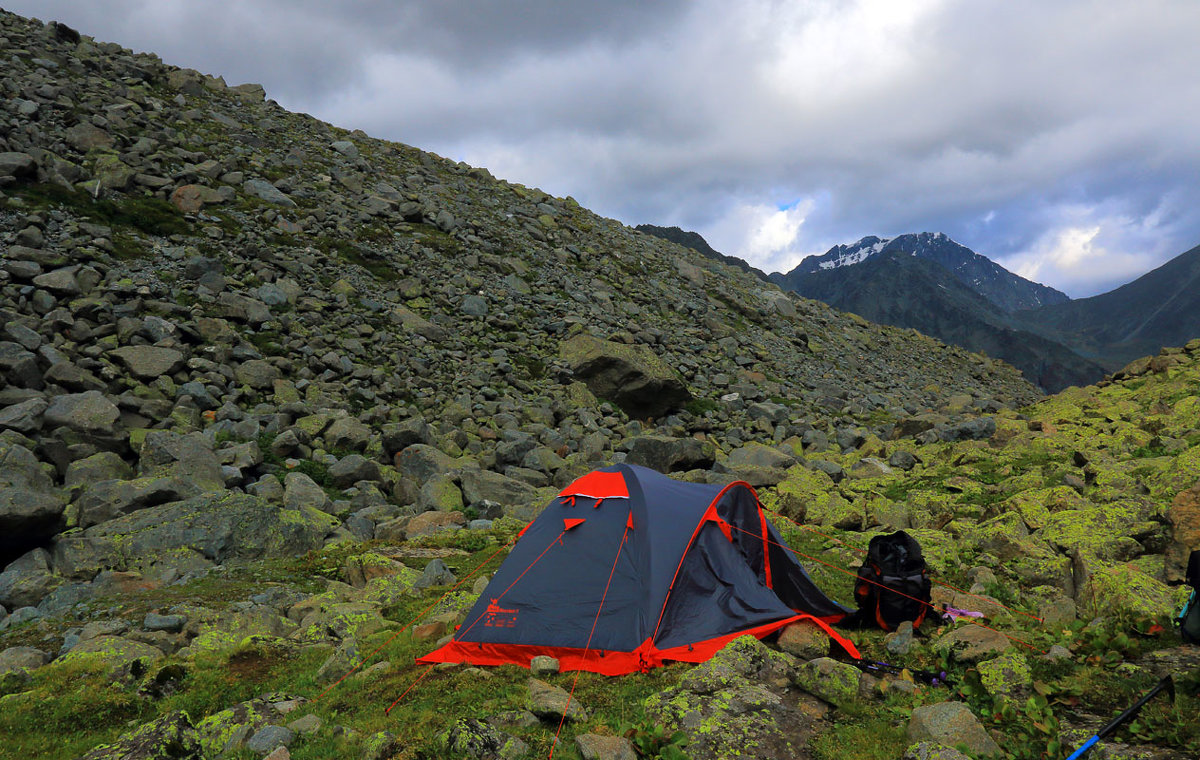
[(1057, 138)]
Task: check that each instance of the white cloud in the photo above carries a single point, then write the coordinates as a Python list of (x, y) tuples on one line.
[(763, 234), (994, 121)]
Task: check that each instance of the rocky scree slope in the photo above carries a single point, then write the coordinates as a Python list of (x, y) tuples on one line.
[(202, 291)]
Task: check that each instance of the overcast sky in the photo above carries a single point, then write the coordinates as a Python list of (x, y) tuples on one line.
[(1061, 138)]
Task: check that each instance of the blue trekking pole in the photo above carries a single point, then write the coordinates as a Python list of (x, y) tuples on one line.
[(1165, 683)]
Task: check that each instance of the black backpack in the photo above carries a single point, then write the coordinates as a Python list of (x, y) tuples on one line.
[(1189, 619), (893, 584)]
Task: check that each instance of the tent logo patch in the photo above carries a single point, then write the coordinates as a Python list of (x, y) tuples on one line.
[(498, 617)]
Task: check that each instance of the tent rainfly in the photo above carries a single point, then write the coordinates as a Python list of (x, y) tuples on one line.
[(627, 569)]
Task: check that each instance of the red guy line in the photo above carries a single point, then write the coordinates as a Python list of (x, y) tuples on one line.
[(935, 580), (519, 577), (894, 591), (406, 691), (588, 645), (420, 615)]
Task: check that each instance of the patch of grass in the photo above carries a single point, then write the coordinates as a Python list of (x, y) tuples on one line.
[(152, 216), (352, 254), (534, 368), (70, 708), (697, 407)]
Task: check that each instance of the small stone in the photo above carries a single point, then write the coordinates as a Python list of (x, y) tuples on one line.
[(951, 723), (549, 702), (901, 641), (168, 623), (309, 724), (268, 738), (543, 665), (804, 640), (598, 747)]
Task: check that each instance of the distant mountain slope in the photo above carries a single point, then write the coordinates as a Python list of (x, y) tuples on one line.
[(982, 275), (696, 242), (896, 288), (1160, 308)]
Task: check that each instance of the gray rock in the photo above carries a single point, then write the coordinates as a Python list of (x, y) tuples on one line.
[(515, 498), (268, 738), (599, 747), (169, 623), (257, 373), (109, 499), (60, 281), (474, 306), (422, 462), (264, 190), (975, 429), (216, 527), (481, 741), (400, 435), (928, 750), (351, 469), (98, 467), (435, 574), (190, 456), (543, 665), (22, 658), (20, 616), (902, 460), (347, 433), (148, 362), (89, 412), (951, 723), (901, 641), (666, 454), (27, 580), (25, 417), (147, 742), (631, 376), (550, 703), (18, 165), (309, 724), (300, 492), (346, 148)]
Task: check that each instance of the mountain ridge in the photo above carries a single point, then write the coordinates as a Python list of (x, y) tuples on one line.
[(1007, 290)]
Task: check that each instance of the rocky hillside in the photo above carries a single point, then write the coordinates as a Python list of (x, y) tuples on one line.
[(277, 396), (696, 242)]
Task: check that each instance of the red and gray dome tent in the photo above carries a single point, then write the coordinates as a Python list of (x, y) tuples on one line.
[(627, 568)]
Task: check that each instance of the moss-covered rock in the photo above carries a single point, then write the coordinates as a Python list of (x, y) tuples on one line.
[(170, 737), (1006, 676), (835, 682)]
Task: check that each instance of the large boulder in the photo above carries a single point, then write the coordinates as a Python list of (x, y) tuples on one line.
[(1184, 516), (190, 456), (28, 580), (148, 362), (30, 509), (108, 499), (217, 527), (631, 376), (89, 412), (517, 499), (665, 454), (170, 737), (737, 705)]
